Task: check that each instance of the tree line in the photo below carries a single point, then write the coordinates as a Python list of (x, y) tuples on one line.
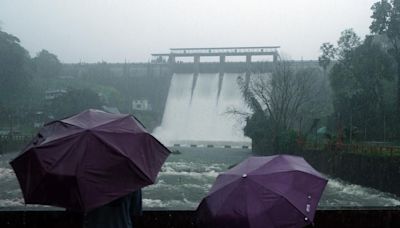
[(365, 77), (20, 75), (352, 97), (35, 89)]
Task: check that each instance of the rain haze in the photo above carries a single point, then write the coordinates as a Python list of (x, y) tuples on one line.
[(123, 30), (226, 106)]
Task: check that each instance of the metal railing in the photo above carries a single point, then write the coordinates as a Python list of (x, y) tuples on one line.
[(224, 50), (10, 143), (356, 148)]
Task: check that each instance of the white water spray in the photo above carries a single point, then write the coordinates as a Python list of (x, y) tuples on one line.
[(203, 116)]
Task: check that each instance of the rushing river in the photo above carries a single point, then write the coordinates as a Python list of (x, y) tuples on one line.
[(186, 178)]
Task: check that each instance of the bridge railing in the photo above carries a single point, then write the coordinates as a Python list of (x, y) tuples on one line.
[(226, 50), (211, 144), (342, 217), (357, 148), (10, 143)]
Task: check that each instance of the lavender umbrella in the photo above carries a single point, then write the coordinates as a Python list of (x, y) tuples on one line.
[(272, 191), (88, 160)]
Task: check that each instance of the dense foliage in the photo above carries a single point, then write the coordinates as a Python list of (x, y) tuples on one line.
[(365, 96), (286, 105), (15, 74), (386, 22), (361, 80), (39, 89), (74, 101)]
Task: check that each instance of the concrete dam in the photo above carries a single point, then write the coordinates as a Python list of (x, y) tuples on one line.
[(202, 96)]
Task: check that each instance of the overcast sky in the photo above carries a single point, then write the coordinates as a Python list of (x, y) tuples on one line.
[(119, 30)]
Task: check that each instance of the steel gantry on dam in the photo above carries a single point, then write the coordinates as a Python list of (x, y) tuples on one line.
[(221, 52)]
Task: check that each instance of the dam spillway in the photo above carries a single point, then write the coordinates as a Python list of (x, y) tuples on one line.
[(197, 111)]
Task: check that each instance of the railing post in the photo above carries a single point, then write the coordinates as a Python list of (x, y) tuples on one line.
[(197, 64), (221, 64)]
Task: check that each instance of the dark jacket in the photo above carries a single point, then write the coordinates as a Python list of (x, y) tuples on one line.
[(116, 214)]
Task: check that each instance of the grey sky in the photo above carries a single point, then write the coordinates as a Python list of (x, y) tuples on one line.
[(115, 30)]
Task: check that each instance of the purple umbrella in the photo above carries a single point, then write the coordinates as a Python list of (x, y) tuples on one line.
[(88, 160), (272, 191)]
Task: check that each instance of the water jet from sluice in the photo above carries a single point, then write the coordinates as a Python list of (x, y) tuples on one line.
[(198, 113)]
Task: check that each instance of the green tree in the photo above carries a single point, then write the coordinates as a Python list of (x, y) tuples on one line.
[(47, 64), (357, 80), (343, 81), (74, 101), (341, 76), (14, 70), (283, 101), (386, 21), (328, 53), (372, 67), (347, 42)]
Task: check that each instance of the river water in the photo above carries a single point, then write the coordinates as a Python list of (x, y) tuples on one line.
[(186, 178)]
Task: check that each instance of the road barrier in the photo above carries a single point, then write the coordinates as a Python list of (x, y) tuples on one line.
[(344, 217)]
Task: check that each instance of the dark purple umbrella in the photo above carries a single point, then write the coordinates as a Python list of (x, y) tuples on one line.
[(88, 160), (272, 191)]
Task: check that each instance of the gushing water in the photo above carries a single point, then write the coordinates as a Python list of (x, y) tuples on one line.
[(186, 178), (201, 113)]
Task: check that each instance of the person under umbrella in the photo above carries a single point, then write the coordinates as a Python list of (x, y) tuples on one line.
[(88, 160), (270, 191), (116, 214)]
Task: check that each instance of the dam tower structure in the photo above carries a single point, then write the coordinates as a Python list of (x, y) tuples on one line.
[(203, 95)]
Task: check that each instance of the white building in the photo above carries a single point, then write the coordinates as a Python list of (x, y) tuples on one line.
[(141, 105), (51, 94)]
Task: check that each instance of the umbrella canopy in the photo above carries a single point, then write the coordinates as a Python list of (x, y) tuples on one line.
[(88, 160), (272, 191)]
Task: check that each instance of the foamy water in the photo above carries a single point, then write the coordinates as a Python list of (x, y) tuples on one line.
[(340, 193), (186, 178)]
